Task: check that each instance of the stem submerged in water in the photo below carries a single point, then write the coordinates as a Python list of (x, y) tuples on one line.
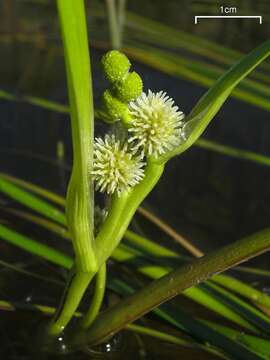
[(96, 303), (75, 289)]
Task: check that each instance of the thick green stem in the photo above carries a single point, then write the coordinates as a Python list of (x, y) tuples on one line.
[(122, 210), (154, 249), (197, 294), (79, 206), (100, 287), (112, 231), (151, 296), (80, 196), (75, 289)]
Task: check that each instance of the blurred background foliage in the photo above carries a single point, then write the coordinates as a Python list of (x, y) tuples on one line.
[(215, 193), (220, 198)]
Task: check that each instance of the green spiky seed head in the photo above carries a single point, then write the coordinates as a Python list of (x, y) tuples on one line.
[(129, 88), (114, 108), (115, 65)]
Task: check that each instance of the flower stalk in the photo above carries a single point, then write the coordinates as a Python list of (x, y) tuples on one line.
[(122, 210), (100, 287)]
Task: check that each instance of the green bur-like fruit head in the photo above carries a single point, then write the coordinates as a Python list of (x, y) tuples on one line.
[(129, 88), (114, 108), (115, 65)]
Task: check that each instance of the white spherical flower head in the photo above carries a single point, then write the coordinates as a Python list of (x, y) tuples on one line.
[(115, 168), (156, 125)]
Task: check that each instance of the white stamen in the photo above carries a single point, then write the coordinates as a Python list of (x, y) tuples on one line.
[(115, 169), (156, 125)]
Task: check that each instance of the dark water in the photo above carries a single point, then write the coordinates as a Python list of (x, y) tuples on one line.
[(209, 198)]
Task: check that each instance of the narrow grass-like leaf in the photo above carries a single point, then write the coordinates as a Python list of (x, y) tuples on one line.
[(241, 288), (173, 38), (196, 294), (233, 152), (253, 315), (146, 245), (251, 270), (194, 327), (123, 253), (14, 237), (48, 310), (259, 345), (41, 191), (173, 339), (211, 102), (199, 72), (156, 272), (35, 247), (31, 201), (154, 249), (47, 253), (172, 284), (153, 271), (36, 101), (19, 269)]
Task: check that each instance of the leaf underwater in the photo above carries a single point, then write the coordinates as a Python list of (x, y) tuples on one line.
[(22, 243)]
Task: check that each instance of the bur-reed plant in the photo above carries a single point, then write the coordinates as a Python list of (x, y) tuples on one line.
[(146, 130)]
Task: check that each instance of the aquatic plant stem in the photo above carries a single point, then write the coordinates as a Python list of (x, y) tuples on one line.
[(198, 295), (100, 287), (80, 195), (112, 231), (177, 340), (229, 282), (70, 260), (75, 289), (157, 292), (122, 210)]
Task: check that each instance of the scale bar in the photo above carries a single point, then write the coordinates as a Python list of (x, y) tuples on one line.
[(227, 16)]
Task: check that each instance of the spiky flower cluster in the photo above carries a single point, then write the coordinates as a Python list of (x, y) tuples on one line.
[(156, 125), (115, 169), (153, 121)]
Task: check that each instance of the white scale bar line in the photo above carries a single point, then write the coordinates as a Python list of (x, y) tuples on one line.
[(226, 17)]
